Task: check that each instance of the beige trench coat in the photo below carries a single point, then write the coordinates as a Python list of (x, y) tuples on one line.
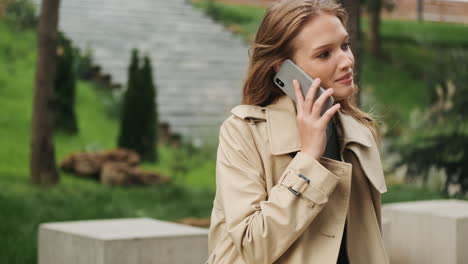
[(265, 213)]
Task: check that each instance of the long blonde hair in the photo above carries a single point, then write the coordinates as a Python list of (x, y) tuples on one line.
[(273, 44)]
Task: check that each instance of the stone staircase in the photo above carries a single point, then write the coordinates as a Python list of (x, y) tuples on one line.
[(198, 65)]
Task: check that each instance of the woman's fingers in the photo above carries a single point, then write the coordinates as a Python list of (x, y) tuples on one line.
[(312, 127), (310, 97), (329, 113), (310, 108), (318, 105), (299, 96)]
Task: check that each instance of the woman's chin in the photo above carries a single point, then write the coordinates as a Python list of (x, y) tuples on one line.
[(343, 92)]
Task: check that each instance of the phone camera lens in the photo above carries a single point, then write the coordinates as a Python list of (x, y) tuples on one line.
[(278, 81)]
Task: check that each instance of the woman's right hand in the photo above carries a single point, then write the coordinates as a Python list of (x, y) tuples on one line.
[(312, 126)]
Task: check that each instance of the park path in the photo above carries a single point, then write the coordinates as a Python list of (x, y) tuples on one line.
[(198, 65)]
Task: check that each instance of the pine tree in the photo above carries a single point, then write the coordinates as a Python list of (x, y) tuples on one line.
[(64, 88), (149, 107), (126, 138), (138, 117)]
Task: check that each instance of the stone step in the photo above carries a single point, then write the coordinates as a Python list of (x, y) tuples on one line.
[(193, 22), (176, 60), (198, 65), (230, 43)]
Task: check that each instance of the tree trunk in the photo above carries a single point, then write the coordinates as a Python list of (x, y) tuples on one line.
[(3, 4), (42, 163), (374, 33), (354, 30)]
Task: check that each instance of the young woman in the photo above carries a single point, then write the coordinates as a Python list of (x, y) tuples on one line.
[(286, 194)]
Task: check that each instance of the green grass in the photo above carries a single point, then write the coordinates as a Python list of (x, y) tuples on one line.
[(424, 33), (406, 193), (395, 93), (241, 19), (24, 206)]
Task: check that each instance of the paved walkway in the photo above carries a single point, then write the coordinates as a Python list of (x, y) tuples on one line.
[(198, 65)]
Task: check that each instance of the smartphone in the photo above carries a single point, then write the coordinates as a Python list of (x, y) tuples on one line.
[(289, 72)]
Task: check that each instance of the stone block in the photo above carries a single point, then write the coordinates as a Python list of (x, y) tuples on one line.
[(386, 232), (429, 232), (121, 241)]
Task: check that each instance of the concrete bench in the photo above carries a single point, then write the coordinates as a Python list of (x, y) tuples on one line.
[(121, 241), (429, 232), (386, 231)]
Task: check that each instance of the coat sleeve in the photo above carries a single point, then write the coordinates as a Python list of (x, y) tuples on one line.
[(263, 226)]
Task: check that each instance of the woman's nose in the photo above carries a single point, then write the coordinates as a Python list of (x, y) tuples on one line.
[(346, 60)]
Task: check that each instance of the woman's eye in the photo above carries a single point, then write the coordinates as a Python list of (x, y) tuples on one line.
[(346, 46), (323, 55)]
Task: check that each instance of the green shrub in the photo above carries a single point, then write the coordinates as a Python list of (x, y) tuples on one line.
[(450, 71), (83, 63), (64, 88), (21, 13), (212, 10), (444, 147), (439, 136)]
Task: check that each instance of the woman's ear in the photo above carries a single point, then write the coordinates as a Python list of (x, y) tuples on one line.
[(277, 65)]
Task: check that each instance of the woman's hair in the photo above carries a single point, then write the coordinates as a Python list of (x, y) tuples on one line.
[(273, 44)]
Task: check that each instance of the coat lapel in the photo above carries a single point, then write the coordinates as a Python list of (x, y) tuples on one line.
[(282, 127), (284, 138), (357, 137)]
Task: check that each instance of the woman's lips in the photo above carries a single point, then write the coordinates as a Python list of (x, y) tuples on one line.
[(346, 81)]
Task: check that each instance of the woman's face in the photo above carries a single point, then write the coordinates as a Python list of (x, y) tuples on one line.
[(322, 50)]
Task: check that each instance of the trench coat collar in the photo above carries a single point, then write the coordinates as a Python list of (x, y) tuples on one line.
[(284, 133)]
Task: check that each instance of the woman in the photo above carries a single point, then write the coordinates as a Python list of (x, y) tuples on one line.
[(286, 194)]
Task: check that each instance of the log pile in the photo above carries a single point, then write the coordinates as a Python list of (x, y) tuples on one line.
[(117, 167)]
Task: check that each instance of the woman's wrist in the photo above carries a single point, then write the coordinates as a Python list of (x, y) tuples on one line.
[(311, 154)]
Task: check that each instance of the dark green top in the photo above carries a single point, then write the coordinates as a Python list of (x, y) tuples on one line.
[(332, 151)]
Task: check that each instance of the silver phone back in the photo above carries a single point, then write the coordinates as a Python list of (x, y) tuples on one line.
[(289, 72)]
